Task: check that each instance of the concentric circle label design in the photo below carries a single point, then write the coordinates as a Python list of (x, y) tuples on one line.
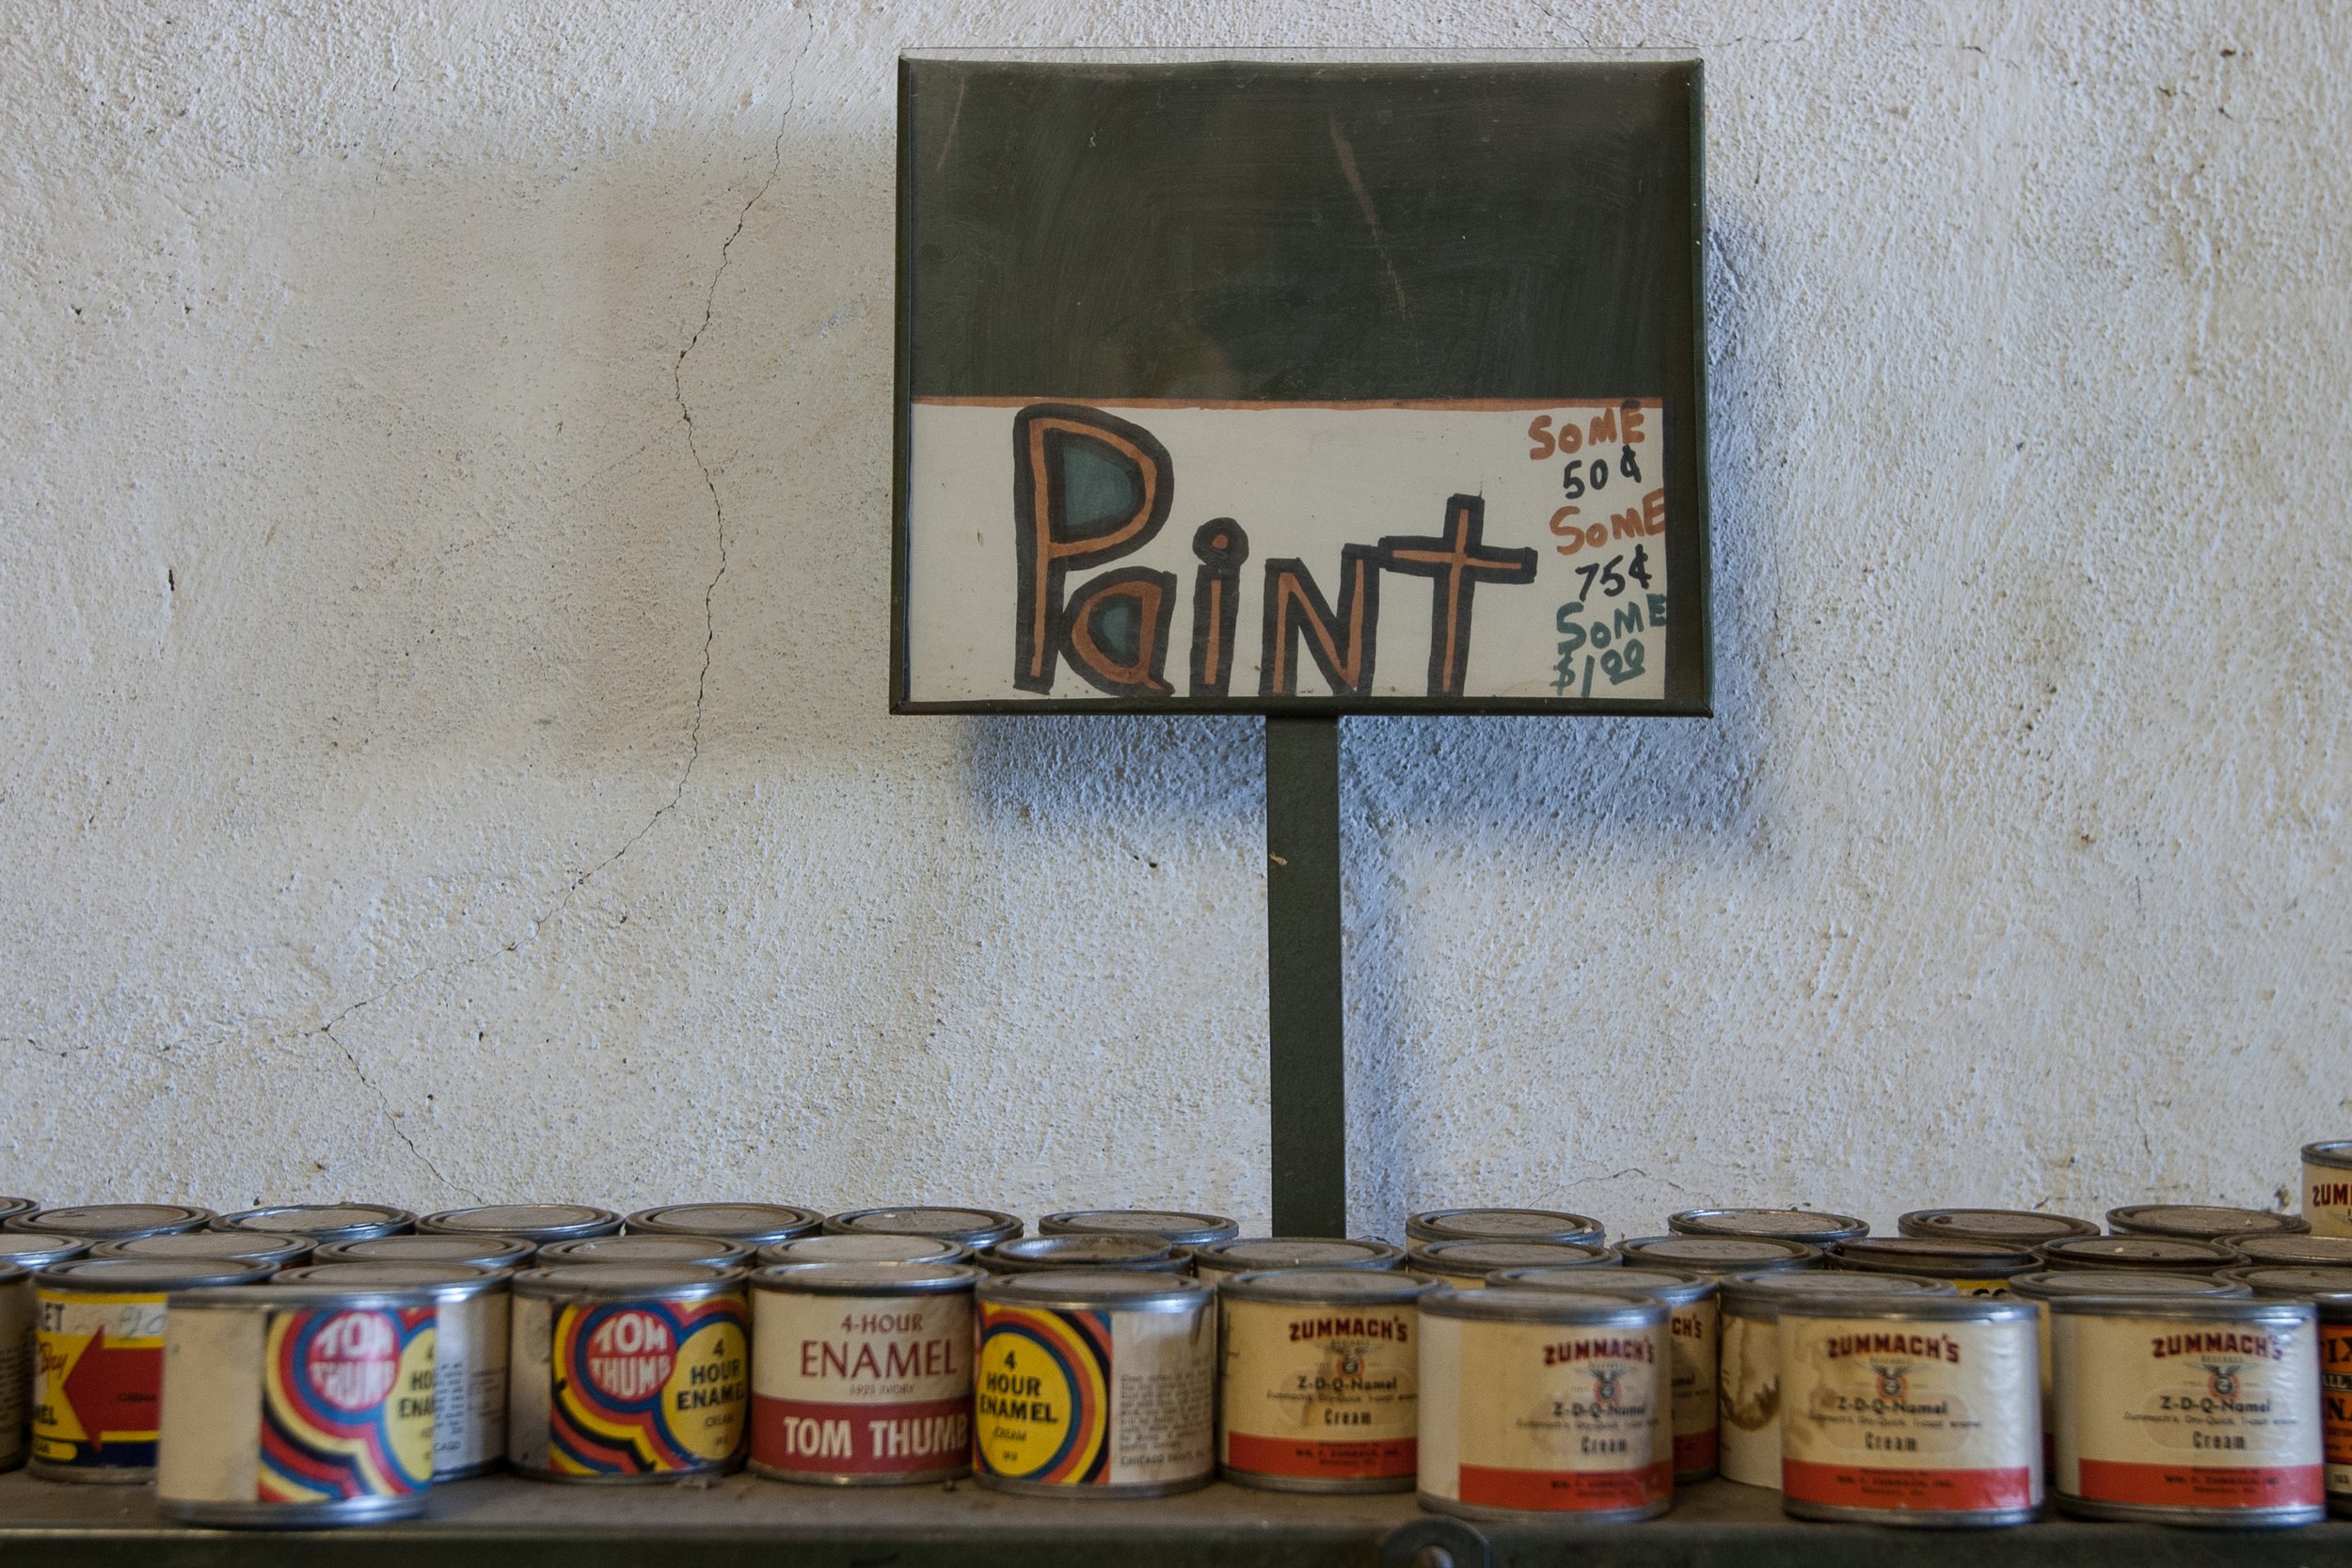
[(346, 1404), (1042, 1406), (643, 1387)]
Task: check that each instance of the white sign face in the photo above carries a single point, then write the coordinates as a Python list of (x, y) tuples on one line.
[(1195, 553)]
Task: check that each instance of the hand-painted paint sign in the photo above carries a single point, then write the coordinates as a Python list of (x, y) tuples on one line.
[(1412, 554)]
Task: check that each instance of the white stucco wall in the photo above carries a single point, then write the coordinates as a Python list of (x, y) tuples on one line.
[(442, 586)]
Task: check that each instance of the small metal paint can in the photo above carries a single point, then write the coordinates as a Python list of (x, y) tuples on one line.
[(536, 1222), (1748, 1357), (1465, 1265), (628, 1372), (2137, 1254), (2202, 1222), (1320, 1389), (37, 1252), (755, 1224), (972, 1227), (111, 1222), (1256, 1254), (1720, 1254), (865, 1249), (2306, 1252), (1694, 1332), (2022, 1228), (647, 1247), (323, 1222), (862, 1373), (289, 1406), (2042, 1289), (1176, 1227), (11, 1206), (472, 1321), (1548, 1403), (233, 1247), (1504, 1224), (2328, 1187), (1973, 1268), (1909, 1410), (2335, 1395), (2188, 1410), (1095, 1385), (1136, 1253), (2290, 1282), (1808, 1225), (99, 1374), (482, 1252), (18, 1350)]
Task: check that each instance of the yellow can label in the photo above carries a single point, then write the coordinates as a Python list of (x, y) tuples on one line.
[(1042, 1400), (643, 1387), (346, 1404), (98, 1382)]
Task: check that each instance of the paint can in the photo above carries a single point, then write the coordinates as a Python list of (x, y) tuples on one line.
[(99, 1373), (323, 1222), (862, 1373), (2137, 1254), (2188, 1410), (1693, 1330), (755, 1224), (1321, 1381), (865, 1249), (628, 1372), (2309, 1252), (472, 1321), (536, 1222), (2022, 1228), (2290, 1282), (36, 1253), (1550, 1404), (112, 1222), (234, 1247), (647, 1247), (295, 1406), (972, 1227), (11, 1206), (1748, 1357), (2335, 1395), (1176, 1227), (1465, 1265), (1505, 1224), (1911, 1409), (482, 1252), (1095, 1385), (2202, 1222), (19, 1352), (1720, 1254), (1972, 1268), (1808, 1225), (2042, 1289), (2328, 1187), (1133, 1254), (1256, 1254)]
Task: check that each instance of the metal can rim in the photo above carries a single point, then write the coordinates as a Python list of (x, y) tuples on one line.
[(1090, 1290), (1792, 1253), (270, 1295), (819, 1279), (1073, 1222), (2054, 1284), (2065, 1248), (998, 1225), (1373, 1253), (592, 1222), (1569, 1308), (728, 1253), (599, 1282), (1308, 1287), (159, 1275), (193, 1218), (521, 1255), (2187, 1308), (1917, 1222), (1698, 1287), (399, 1220), (1920, 1307), (949, 1252), (479, 1280), (2329, 1152), (1430, 1226), (804, 1221), (1709, 1222), (2128, 1220), (1759, 1297)]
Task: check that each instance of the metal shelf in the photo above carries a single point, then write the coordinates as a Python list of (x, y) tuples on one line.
[(746, 1523)]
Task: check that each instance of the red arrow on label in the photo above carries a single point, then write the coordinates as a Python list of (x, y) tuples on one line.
[(112, 1389)]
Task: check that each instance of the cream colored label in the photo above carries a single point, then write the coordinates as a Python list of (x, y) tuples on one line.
[(2160, 1410), (469, 1382), (873, 1386), (529, 1386), (1163, 1396), (1750, 1383), (1693, 1332), (2328, 1200), (1541, 1416), (212, 1406), (1067, 1398), (1321, 1392)]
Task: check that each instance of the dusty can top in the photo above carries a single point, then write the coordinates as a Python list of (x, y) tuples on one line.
[(533, 1222), (1477, 1260), (249, 1246), (1720, 1254), (2289, 1282), (865, 1249), (1937, 1256), (1787, 1224), (37, 1252), (2202, 1222), (1505, 1224), (108, 1222), (11, 1206), (2052, 1284), (972, 1227), (2022, 1228), (2185, 1308), (1568, 1308), (1675, 1287), (867, 1279), (487, 1252), (2166, 1254), (1910, 1307), (441, 1281), (1249, 1254), (716, 1251), (1143, 1252), (1318, 1287), (323, 1222), (627, 1282), (1760, 1297), (2332, 1151), (1085, 1290), (755, 1225), (2293, 1251), (108, 1274), (1177, 1226)]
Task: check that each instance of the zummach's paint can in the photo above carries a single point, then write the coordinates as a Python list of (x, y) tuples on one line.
[(98, 1379), (2202, 1222), (628, 1372), (11, 1206), (235, 1246), (865, 1249), (862, 1373), (2022, 1228), (1137, 1254), (293, 1405), (1465, 1265), (1176, 1227), (1095, 1385), (2286, 1282), (2293, 1252), (472, 1326), (1321, 1387), (755, 1224), (1719, 1255), (972, 1227), (2187, 1410), (643, 1248), (18, 1349), (2042, 1289), (1787, 1224), (112, 1222), (1910, 1409), (1549, 1402), (2328, 1187), (323, 1222), (1505, 1224), (1694, 1328), (1973, 1268), (2137, 1254), (1255, 1254), (1748, 1357), (482, 1252), (537, 1223)]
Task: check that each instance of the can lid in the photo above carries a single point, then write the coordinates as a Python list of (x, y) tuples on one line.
[(1910, 1305), (2053, 1283), (2175, 1253), (2329, 1152), (537, 1221), (493, 1252), (2020, 1228), (107, 1221), (1592, 1309), (321, 1221), (2318, 1251), (17, 1206), (39, 1251), (1677, 1285), (1476, 1260), (2289, 1280), (973, 1228), (754, 1224), (1177, 1226), (1933, 1254), (256, 1247), (150, 1273), (2195, 1305), (1085, 1289), (1314, 1287), (1504, 1224), (645, 1247), (863, 1249), (2202, 1222), (626, 1281), (470, 1279), (867, 1279), (1787, 1225), (1720, 1254), (1759, 1296), (1076, 1250), (1244, 1254), (281, 1292)]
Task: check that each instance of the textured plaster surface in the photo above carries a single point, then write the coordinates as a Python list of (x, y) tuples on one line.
[(442, 602)]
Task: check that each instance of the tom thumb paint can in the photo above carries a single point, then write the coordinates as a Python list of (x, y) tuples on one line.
[(1320, 1389), (2328, 1187), (470, 1329), (295, 1405)]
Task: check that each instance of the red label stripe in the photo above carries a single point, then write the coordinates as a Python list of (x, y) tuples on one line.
[(1695, 1451), (1306, 1458), (1566, 1491), (862, 1439), (2109, 1481), (1868, 1486)]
